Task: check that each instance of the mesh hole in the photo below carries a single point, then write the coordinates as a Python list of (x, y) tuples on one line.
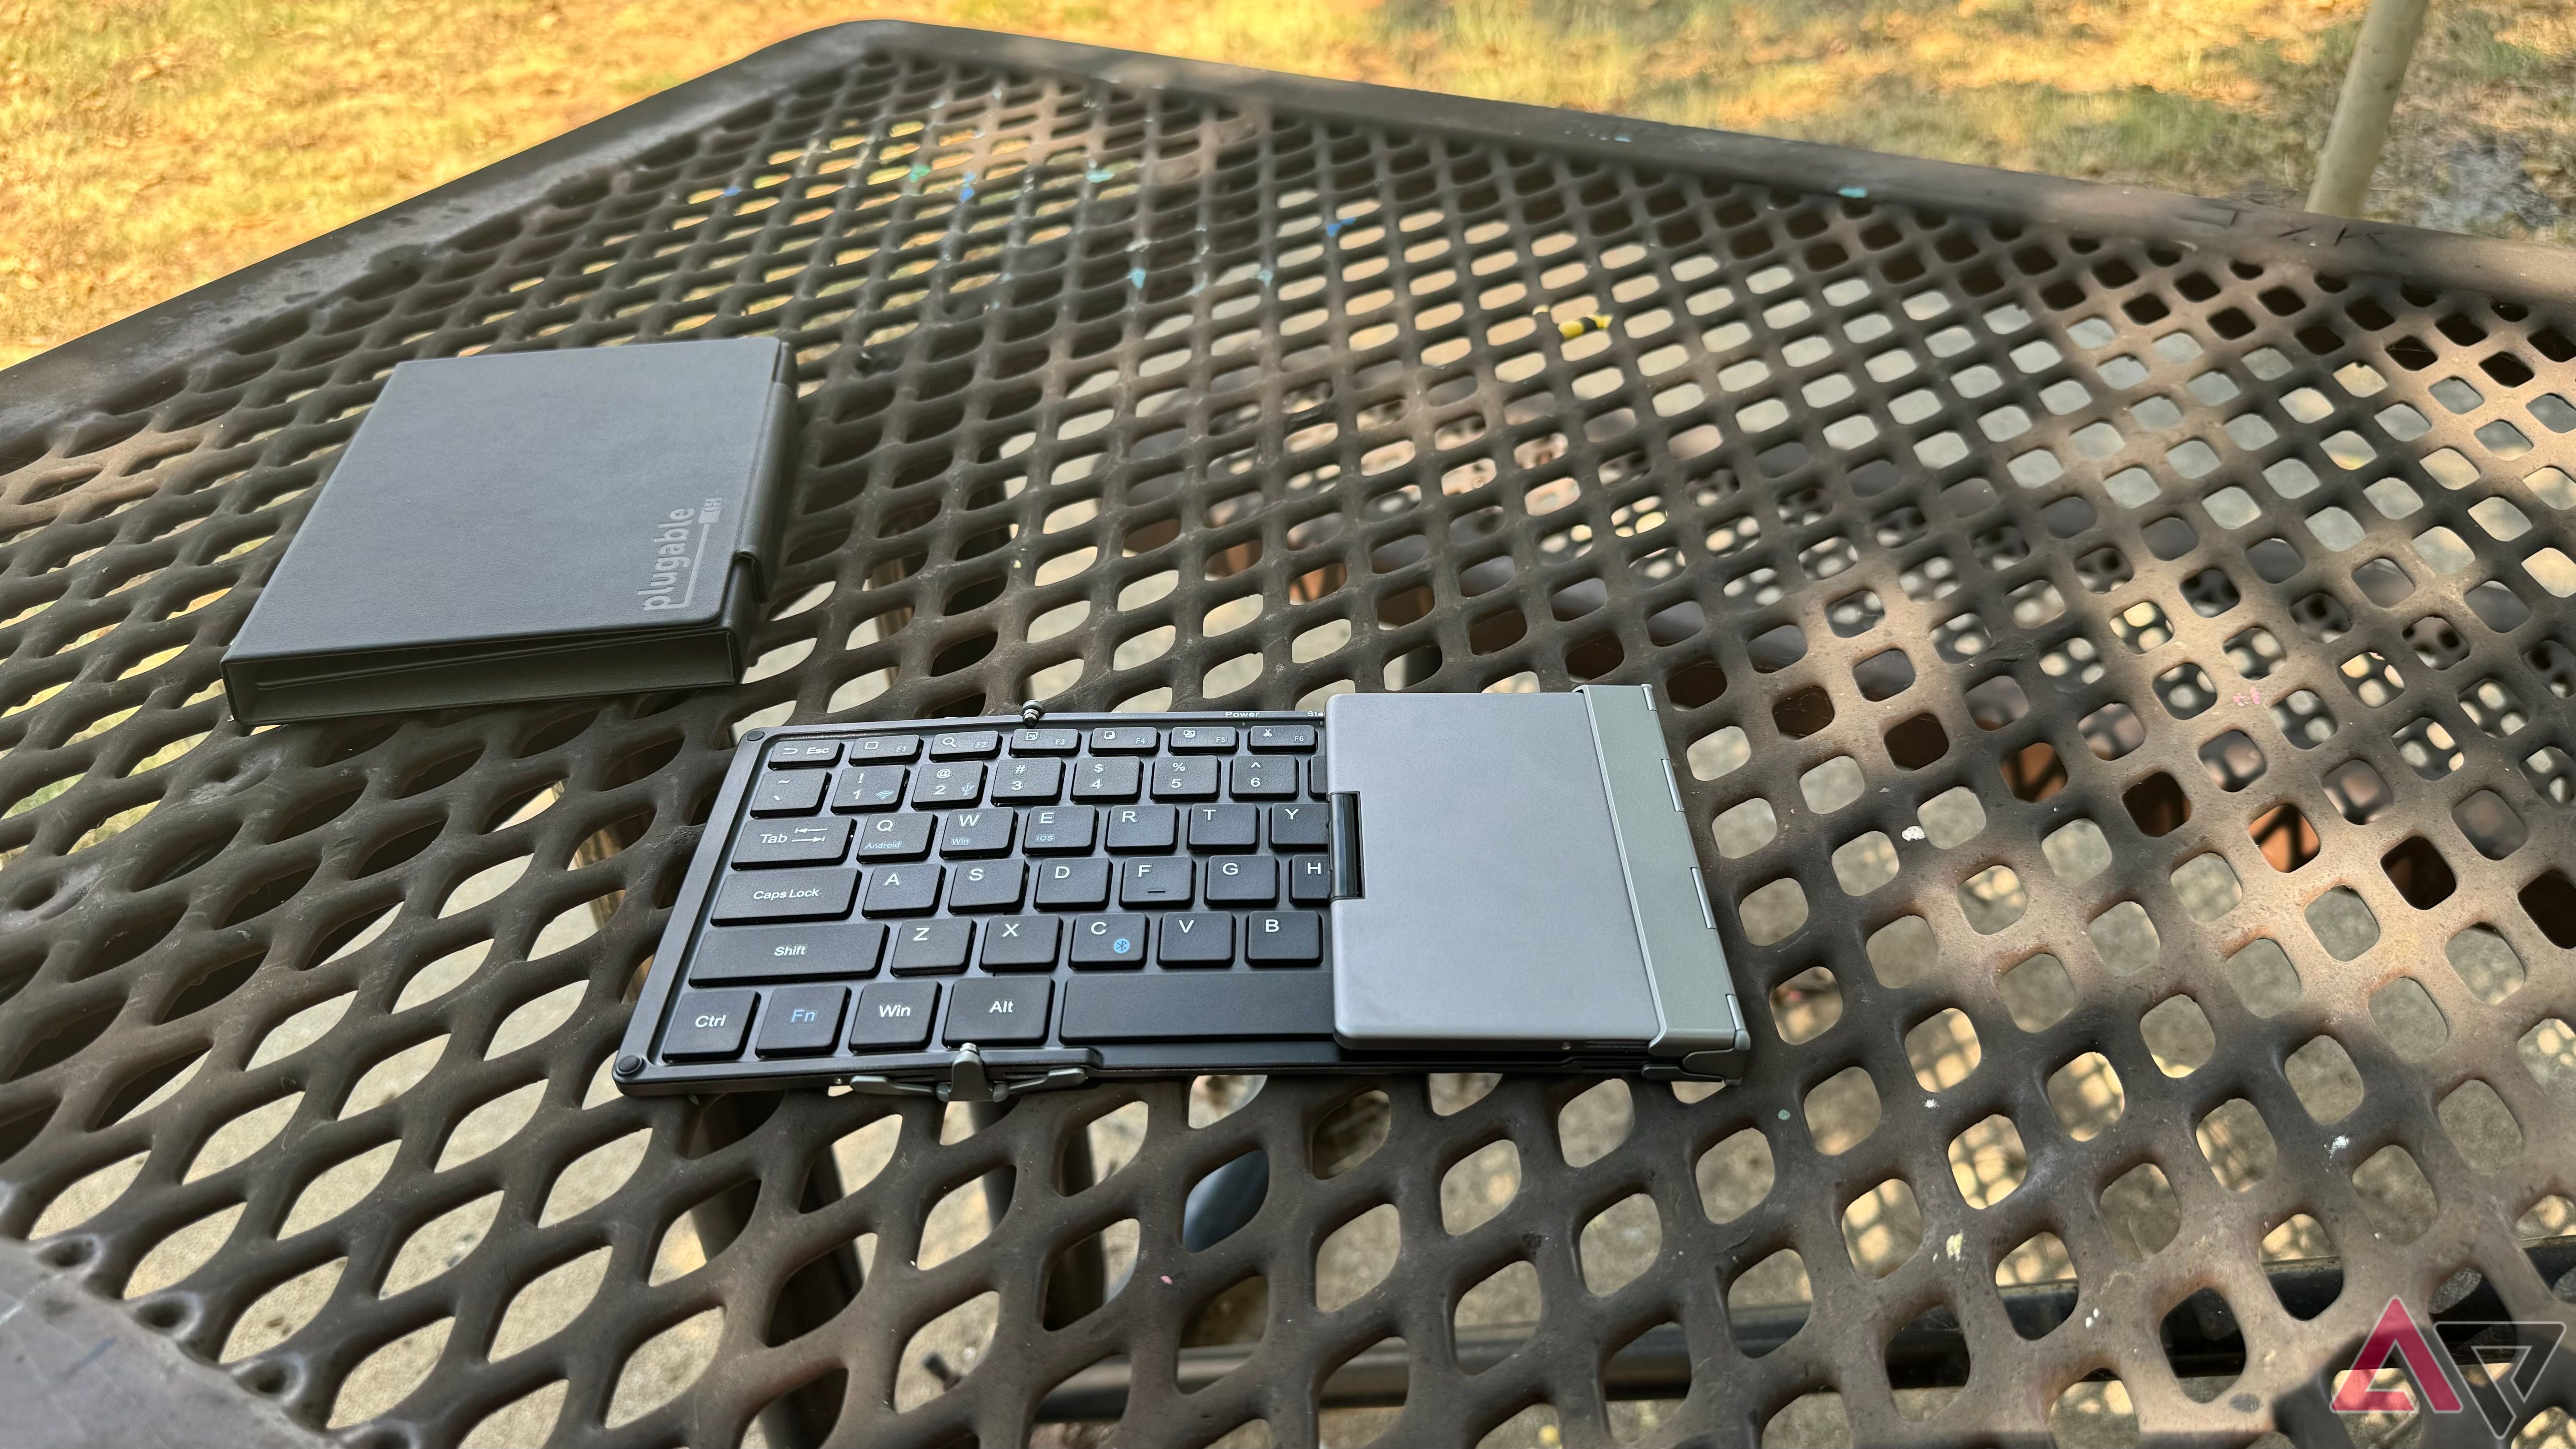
[(1988, 1161), (1479, 1186), (1882, 1228)]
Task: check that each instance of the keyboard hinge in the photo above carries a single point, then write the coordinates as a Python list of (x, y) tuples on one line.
[(1347, 883), (968, 1082)]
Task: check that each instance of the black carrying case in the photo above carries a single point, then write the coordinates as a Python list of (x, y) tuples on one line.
[(531, 526)]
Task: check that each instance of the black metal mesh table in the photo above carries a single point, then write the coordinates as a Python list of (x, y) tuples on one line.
[(2121, 642)]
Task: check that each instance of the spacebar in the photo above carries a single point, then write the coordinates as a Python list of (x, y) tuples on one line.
[(1161, 1007)]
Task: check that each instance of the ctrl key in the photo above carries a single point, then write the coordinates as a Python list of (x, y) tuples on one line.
[(894, 1014), (707, 1025)]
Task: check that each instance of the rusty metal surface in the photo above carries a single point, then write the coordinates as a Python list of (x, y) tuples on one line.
[(1942, 530)]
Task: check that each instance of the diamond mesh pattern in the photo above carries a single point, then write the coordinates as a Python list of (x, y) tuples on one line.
[(2125, 690)]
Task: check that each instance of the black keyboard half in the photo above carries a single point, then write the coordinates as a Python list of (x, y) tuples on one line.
[(1083, 895)]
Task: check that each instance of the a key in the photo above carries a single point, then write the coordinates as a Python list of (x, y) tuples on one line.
[(1310, 880), (998, 1013), (1186, 1006), (986, 886), (789, 754), (1225, 827), (1303, 826), (1155, 883), (788, 792), (873, 787), (802, 1021), (1202, 740), (1028, 782), (1197, 939), (977, 832), (786, 953), (1315, 786), (1283, 737), (948, 784), (1125, 740), (895, 837), (1292, 939), (1108, 941), (966, 745), (1238, 881), (791, 842), (930, 947), (1256, 777), (708, 1025), (870, 749), (902, 890), (784, 895), (1097, 779), (1045, 742), (1185, 779), (1072, 884), (1141, 827), (1060, 830), (1020, 943), (894, 1014)]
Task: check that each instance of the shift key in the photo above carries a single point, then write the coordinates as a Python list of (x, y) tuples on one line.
[(784, 895)]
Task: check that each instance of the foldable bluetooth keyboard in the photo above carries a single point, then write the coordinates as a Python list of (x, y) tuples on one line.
[(979, 907)]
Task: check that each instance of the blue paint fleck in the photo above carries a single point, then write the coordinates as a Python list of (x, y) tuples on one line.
[(1101, 174), (1332, 228), (733, 191), (1136, 277), (1854, 193), (1621, 138), (1262, 276)]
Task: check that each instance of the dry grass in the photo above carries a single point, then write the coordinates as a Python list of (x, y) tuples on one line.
[(149, 145)]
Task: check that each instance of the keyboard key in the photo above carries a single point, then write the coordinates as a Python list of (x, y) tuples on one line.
[(1108, 941), (1073, 884), (1191, 939), (869, 749), (987, 1012), (895, 837), (1202, 740), (1295, 939), (1125, 740), (786, 953), (802, 1021), (1183, 1006), (875, 787), (1225, 827), (1239, 882), (1310, 880), (1258, 778), (708, 1024), (966, 745), (1300, 827), (784, 895), (789, 754), (791, 842), (1185, 779), (1064, 831), (1283, 737), (987, 886), (1045, 742), (789, 792), (948, 785), (1107, 779), (1155, 883), (1020, 943), (1142, 827), (894, 1014), (923, 948), (902, 890), (977, 832), (1315, 787), (1028, 782)]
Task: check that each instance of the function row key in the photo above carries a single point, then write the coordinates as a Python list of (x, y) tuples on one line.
[(966, 745)]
